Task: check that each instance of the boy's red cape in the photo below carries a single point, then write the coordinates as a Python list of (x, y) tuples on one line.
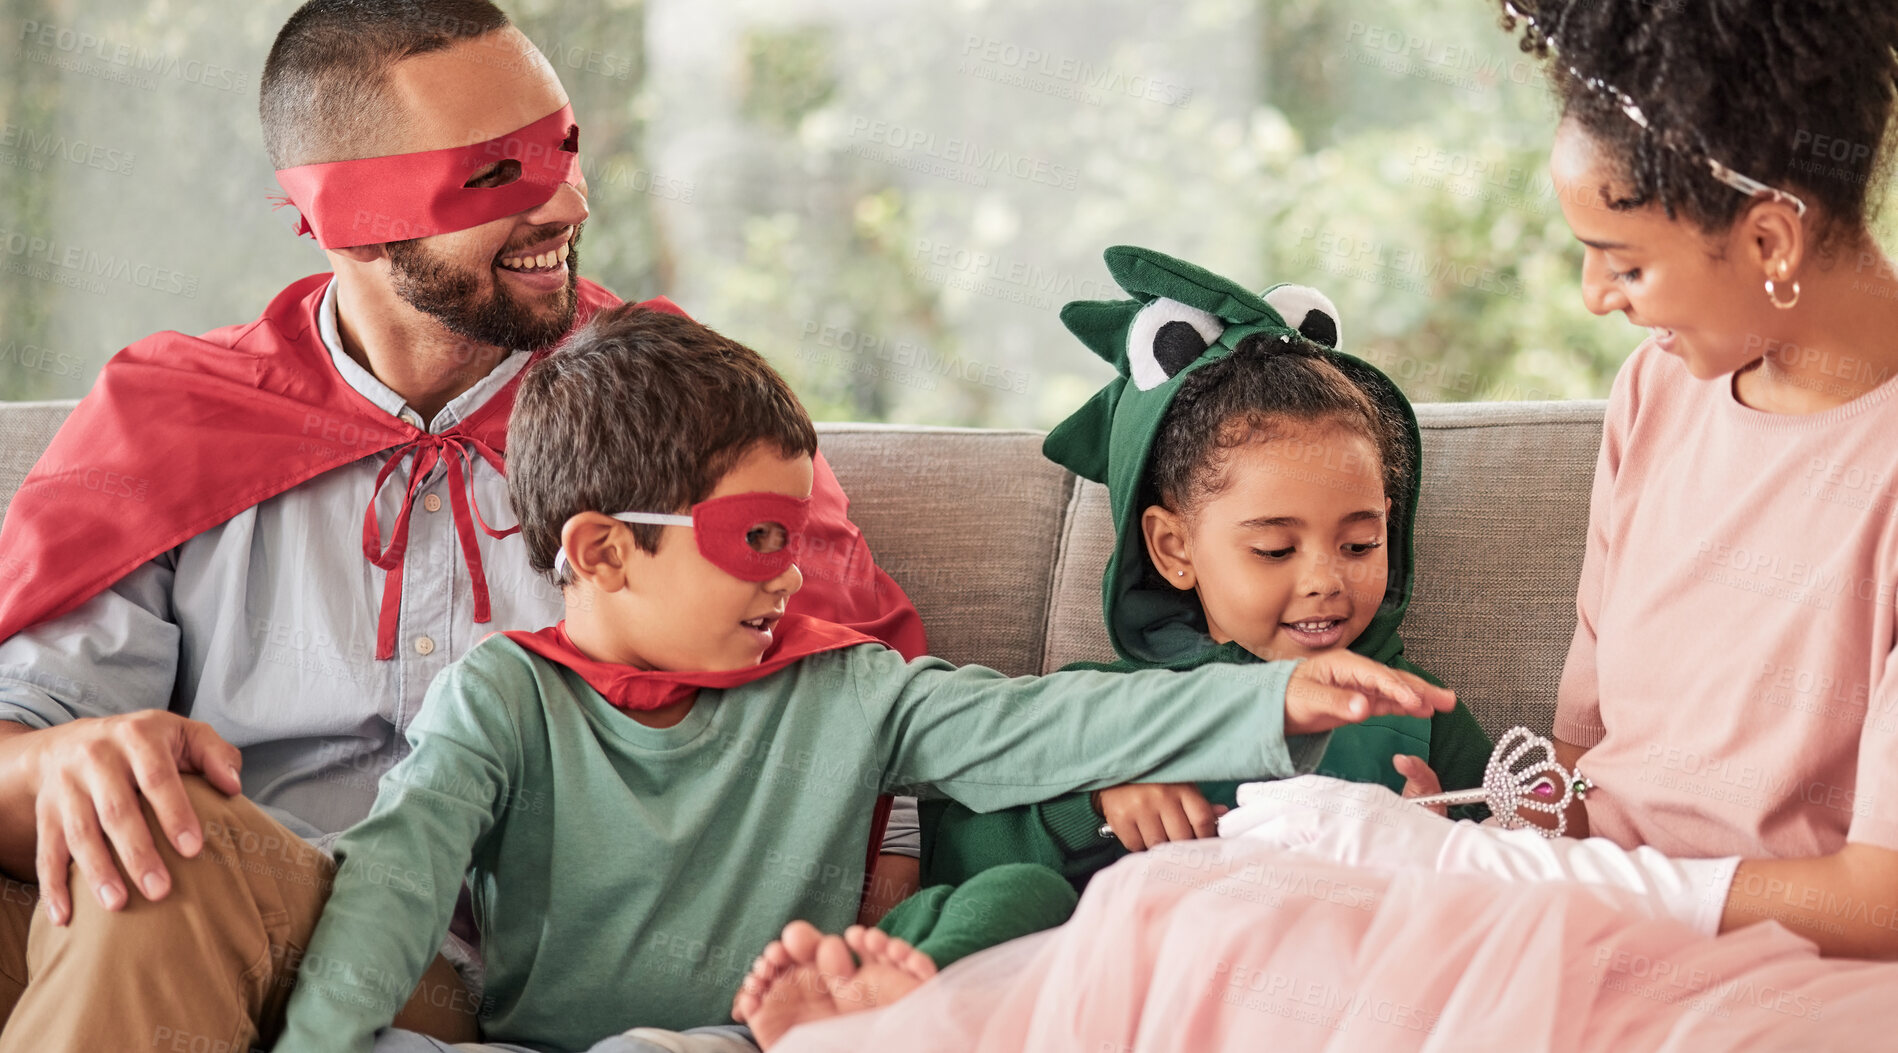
[(180, 433), (795, 638)]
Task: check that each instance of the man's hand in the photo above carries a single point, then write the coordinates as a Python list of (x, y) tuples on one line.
[(1340, 687), (88, 778), (1144, 814)]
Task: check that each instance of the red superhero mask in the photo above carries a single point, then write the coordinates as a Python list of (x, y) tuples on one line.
[(418, 195), (749, 536)]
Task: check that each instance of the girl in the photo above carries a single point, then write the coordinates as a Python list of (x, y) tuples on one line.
[(1239, 485)]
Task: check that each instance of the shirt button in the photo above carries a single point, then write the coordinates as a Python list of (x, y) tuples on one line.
[(424, 646), (409, 418), (432, 502)]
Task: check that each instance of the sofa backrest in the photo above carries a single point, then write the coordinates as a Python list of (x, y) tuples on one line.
[(1002, 551)]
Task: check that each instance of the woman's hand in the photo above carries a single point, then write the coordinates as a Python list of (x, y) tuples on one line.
[(1144, 814), (1419, 780)]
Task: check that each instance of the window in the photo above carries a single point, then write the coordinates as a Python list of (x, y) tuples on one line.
[(891, 201)]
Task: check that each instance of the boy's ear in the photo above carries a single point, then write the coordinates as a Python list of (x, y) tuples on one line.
[(597, 551), (1166, 537)]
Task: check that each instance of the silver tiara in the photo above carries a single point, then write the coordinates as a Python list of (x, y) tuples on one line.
[(1744, 183), (1522, 774)]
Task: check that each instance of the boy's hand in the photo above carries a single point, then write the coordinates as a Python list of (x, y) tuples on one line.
[(1419, 780), (1340, 687), (1144, 814)]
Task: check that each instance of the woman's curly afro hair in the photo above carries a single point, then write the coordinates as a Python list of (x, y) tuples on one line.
[(1795, 93)]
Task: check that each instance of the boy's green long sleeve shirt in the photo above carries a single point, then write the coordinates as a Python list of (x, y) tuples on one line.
[(625, 876)]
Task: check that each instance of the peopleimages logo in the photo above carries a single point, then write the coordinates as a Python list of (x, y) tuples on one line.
[(87, 263), (1063, 75), (77, 151), (76, 50), (955, 150)]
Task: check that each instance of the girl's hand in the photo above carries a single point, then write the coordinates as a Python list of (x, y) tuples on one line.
[(1144, 814), (1419, 780)]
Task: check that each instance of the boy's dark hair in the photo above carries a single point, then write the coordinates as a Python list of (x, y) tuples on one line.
[(639, 411), (1252, 395), (1775, 89), (322, 97)]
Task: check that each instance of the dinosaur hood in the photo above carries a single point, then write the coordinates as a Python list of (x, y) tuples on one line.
[(1182, 317)]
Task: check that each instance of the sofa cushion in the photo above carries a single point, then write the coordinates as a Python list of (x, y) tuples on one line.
[(1500, 536), (967, 521), (1076, 631), (1501, 531), (26, 429)]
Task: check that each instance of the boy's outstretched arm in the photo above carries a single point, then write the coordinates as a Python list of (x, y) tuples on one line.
[(993, 742)]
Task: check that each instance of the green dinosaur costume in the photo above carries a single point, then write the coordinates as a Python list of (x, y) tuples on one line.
[(1181, 318)]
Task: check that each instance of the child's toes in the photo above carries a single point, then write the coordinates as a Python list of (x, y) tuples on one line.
[(912, 961), (837, 968), (800, 940), (893, 950), (770, 961), (872, 943), (833, 959), (918, 964), (745, 1002)]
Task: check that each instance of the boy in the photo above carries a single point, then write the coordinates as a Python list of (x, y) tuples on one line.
[(648, 791)]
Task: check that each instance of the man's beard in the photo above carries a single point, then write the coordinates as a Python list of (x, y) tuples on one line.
[(450, 295)]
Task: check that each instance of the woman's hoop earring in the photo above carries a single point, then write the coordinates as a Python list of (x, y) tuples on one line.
[(1772, 293)]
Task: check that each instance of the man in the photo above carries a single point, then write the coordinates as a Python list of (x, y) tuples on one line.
[(226, 616)]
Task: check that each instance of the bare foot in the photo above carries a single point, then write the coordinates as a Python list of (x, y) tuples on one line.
[(806, 976), (796, 945), (802, 991), (887, 968)]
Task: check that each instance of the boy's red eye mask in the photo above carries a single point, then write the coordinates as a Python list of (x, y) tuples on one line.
[(418, 195), (749, 536)]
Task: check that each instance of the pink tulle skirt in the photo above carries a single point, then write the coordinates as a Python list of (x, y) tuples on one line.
[(1231, 945)]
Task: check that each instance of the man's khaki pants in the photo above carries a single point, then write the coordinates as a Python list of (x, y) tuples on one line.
[(207, 969)]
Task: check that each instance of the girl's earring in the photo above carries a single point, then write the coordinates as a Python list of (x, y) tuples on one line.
[(1179, 573)]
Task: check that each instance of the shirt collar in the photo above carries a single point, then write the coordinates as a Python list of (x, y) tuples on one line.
[(386, 399)]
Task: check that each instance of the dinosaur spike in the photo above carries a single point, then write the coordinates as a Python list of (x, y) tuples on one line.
[(1102, 326), (1080, 443)]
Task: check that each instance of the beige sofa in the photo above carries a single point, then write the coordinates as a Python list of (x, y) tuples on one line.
[(1002, 551)]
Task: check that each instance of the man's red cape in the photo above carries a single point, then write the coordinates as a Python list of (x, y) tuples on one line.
[(180, 433)]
